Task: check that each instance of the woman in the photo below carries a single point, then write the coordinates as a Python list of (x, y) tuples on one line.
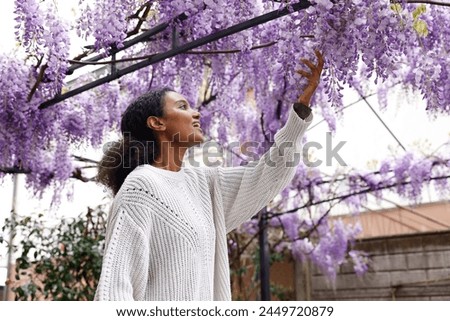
[(166, 233)]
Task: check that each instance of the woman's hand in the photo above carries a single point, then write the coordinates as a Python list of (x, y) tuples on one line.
[(313, 78)]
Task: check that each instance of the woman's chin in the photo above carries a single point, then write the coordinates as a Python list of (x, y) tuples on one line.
[(198, 137), (199, 140)]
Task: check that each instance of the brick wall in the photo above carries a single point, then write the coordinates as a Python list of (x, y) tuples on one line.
[(408, 267)]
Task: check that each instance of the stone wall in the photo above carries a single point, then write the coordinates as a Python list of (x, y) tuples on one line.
[(406, 267)]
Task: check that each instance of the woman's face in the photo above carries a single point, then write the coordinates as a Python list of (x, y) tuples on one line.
[(181, 122)]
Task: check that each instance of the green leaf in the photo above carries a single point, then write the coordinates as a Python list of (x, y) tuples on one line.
[(419, 10), (26, 220), (396, 7), (21, 293), (421, 28), (63, 255)]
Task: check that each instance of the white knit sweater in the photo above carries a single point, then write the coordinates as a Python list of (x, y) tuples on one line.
[(166, 232)]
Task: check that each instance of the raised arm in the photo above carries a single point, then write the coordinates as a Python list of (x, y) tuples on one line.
[(246, 189)]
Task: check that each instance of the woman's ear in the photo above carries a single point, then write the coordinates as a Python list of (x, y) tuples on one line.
[(155, 123)]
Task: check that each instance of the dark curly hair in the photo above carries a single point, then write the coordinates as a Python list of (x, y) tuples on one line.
[(138, 144)]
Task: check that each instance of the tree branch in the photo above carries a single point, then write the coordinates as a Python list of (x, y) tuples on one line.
[(261, 118), (38, 81), (84, 159), (342, 197), (319, 221), (338, 179), (146, 7), (77, 173)]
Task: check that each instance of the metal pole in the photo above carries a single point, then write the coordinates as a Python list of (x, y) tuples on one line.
[(175, 40), (11, 237), (264, 256), (113, 64)]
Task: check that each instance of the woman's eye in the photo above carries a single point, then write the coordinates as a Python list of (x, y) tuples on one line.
[(183, 106)]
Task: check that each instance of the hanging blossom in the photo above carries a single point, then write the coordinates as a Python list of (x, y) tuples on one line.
[(329, 248), (360, 262), (347, 31), (106, 21), (37, 130), (57, 46), (13, 120), (250, 227), (94, 113), (30, 23), (426, 61), (44, 36), (36, 151)]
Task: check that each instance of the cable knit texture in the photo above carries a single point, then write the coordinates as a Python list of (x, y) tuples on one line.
[(166, 232)]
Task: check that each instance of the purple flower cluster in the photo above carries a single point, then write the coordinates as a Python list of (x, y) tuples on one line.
[(106, 21), (360, 261), (34, 147), (250, 227), (29, 24), (56, 44), (44, 36), (428, 61), (330, 247), (331, 250)]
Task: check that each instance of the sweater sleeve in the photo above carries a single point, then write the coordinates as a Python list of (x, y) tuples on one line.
[(247, 189), (125, 263)]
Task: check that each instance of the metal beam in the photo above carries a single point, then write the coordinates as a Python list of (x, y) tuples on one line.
[(181, 49), (127, 44)]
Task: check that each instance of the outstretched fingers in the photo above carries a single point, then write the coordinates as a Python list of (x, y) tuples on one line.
[(304, 73), (320, 60), (315, 70), (313, 77), (308, 63)]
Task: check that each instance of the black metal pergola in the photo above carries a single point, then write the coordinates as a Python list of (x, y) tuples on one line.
[(176, 49)]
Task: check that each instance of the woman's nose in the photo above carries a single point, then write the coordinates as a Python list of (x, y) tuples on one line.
[(196, 114)]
